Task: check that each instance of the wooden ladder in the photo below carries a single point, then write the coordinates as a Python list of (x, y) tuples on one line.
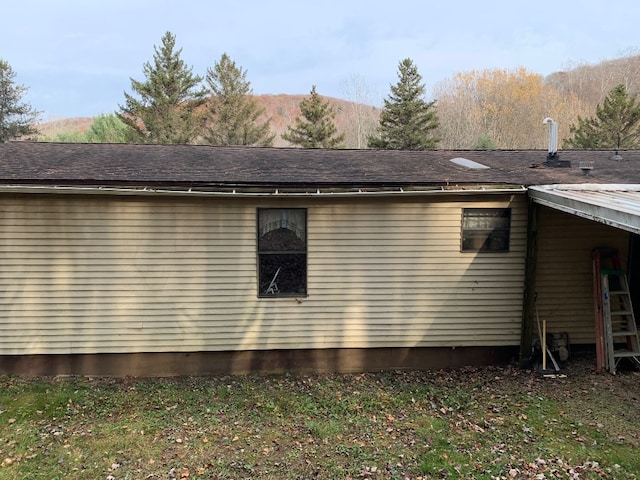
[(620, 329)]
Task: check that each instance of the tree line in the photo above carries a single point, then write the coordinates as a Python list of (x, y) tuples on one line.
[(170, 106), (488, 109)]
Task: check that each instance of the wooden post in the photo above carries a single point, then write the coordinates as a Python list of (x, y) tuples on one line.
[(529, 294), (597, 309), (544, 345)]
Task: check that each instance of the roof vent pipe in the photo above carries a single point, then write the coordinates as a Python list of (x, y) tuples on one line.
[(553, 137), (552, 155), (586, 167)]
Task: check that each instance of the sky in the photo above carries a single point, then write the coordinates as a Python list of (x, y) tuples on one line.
[(77, 57)]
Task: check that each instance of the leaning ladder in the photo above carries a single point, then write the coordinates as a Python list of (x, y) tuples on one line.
[(620, 329)]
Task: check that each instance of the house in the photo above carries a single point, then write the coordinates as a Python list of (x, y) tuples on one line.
[(168, 260)]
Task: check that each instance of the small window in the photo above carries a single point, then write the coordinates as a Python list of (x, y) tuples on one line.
[(282, 252), (485, 229)]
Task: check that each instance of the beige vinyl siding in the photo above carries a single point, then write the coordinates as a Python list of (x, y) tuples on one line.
[(94, 274), (407, 281), (565, 271)]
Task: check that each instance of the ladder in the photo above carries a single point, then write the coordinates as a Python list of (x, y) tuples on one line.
[(620, 330)]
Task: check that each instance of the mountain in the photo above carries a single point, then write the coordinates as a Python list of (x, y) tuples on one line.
[(589, 84), (354, 119), (52, 128), (592, 82)]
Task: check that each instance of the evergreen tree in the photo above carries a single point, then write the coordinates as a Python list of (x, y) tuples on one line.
[(104, 129), (17, 118), (232, 113), (485, 142), (616, 124), (107, 129), (166, 110), (407, 121), (316, 128)]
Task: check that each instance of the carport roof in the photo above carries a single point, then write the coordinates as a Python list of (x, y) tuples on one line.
[(617, 205)]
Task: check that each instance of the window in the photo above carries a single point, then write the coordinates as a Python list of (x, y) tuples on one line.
[(485, 229), (282, 252)]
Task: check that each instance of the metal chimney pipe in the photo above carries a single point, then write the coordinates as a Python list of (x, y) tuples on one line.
[(553, 136)]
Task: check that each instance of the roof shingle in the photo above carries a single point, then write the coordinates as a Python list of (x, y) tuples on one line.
[(199, 165)]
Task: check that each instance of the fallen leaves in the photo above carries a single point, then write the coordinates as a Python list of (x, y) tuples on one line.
[(493, 422)]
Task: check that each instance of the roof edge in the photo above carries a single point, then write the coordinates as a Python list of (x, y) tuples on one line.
[(273, 192)]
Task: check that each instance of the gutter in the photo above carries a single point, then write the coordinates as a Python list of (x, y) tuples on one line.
[(274, 192)]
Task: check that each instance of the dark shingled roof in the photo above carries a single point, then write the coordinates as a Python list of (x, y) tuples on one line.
[(207, 166)]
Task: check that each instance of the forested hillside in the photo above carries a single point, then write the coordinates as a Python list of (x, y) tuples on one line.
[(356, 120), (501, 109), (505, 109)]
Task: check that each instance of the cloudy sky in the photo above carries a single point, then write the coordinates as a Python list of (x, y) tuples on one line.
[(77, 57)]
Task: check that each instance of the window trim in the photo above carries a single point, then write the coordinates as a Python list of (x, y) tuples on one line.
[(467, 233), (262, 292)]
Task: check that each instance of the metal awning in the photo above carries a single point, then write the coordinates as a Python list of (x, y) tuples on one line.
[(617, 205)]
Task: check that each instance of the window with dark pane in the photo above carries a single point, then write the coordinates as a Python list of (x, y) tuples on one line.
[(486, 229), (282, 252)]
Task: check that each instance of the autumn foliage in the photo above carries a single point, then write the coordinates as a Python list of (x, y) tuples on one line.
[(479, 109), (501, 109)]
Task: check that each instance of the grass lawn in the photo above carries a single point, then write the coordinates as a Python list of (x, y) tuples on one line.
[(496, 422)]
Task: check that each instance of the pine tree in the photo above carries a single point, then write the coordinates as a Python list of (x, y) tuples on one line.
[(316, 128), (107, 129), (616, 124), (17, 118), (104, 129), (232, 113), (166, 110), (407, 121)]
